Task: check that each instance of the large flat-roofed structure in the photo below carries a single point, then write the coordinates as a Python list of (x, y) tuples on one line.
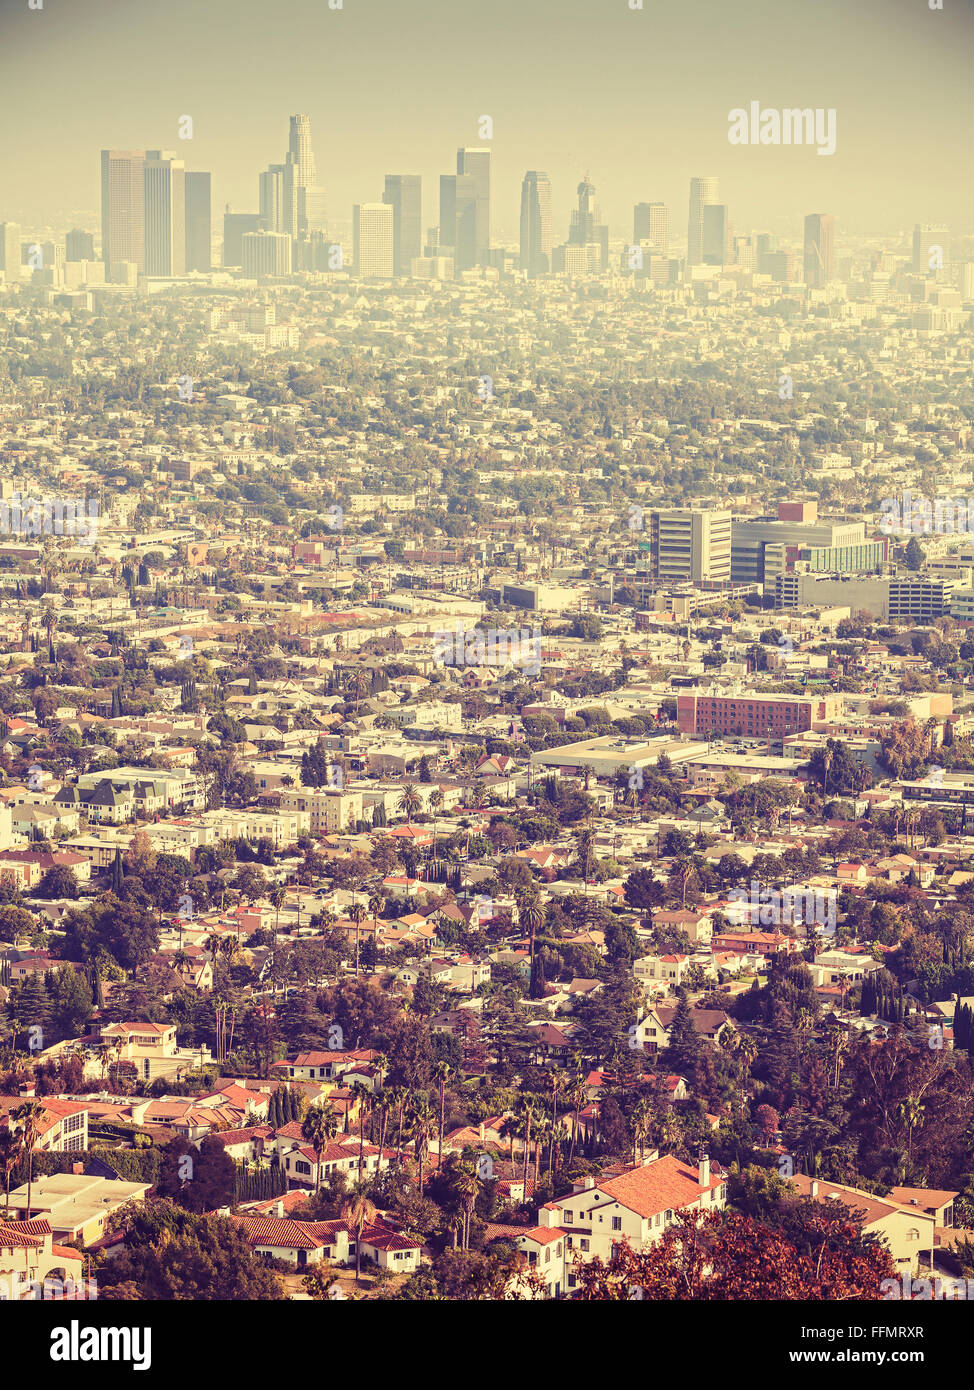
[(76, 1204), (607, 756), (753, 713)]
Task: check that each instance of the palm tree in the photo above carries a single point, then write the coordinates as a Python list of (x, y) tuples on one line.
[(533, 917), (277, 898), (409, 800), (526, 1105), (357, 1213), (27, 1116), (436, 804), (360, 1092), (558, 1081), (442, 1072), (576, 1096), (11, 1147), (319, 1126), (397, 1100), (423, 1124), (357, 912), (467, 1185)]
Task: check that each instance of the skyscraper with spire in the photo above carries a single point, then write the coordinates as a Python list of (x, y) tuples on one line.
[(587, 227)]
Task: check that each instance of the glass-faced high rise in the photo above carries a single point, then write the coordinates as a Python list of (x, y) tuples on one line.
[(165, 214), (404, 192), (536, 223), (702, 192), (123, 207)]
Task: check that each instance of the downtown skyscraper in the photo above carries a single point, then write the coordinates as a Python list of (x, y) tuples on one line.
[(404, 193), (458, 220), (651, 223), (819, 249), (536, 239), (164, 214), (373, 232), (122, 208), (703, 191), (475, 164)]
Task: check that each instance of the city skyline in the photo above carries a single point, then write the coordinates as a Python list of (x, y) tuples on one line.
[(641, 132)]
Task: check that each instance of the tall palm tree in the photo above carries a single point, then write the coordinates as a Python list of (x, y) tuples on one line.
[(442, 1072), (27, 1116), (319, 1126), (363, 1094), (357, 1213), (576, 1096), (533, 917), (436, 804), (467, 1185), (527, 1106), (11, 1147), (277, 898), (423, 1125), (557, 1080), (356, 913)]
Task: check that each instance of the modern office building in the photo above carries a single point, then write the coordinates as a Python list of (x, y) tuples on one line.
[(373, 236), (165, 214), (889, 599), (764, 547), (271, 198), (123, 207), (198, 223), (536, 237), (10, 257), (236, 225), (716, 234), (458, 220), (931, 248), (79, 246), (703, 191), (651, 224), (819, 249), (404, 194), (475, 164), (689, 544), (266, 254)]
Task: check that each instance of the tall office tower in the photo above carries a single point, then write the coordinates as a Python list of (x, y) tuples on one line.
[(536, 223), (236, 225), (819, 249), (299, 148), (702, 191), (458, 219), (475, 164), (265, 253), (165, 214), (404, 193), (10, 258), (79, 246), (931, 248), (374, 241), (123, 207), (587, 227), (651, 222), (716, 234), (271, 191), (967, 280), (690, 544), (198, 255)]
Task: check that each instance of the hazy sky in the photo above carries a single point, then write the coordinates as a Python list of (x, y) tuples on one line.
[(638, 98)]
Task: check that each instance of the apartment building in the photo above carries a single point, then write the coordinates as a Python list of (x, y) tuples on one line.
[(752, 713), (690, 544)]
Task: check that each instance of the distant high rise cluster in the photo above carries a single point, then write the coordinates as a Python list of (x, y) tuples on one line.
[(155, 217), (156, 221)]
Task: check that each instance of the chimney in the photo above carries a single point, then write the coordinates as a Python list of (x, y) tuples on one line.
[(481, 1130), (813, 1188), (78, 1169), (280, 1207), (703, 1169)]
